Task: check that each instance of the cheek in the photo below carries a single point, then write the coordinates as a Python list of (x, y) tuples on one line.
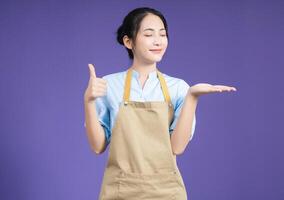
[(165, 42), (144, 43), (148, 42)]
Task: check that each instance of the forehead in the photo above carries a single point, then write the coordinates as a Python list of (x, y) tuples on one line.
[(151, 21)]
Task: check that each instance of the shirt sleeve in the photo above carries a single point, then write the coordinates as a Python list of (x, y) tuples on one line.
[(181, 94), (103, 113)]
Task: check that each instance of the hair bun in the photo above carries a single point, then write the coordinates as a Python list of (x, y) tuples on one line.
[(120, 33)]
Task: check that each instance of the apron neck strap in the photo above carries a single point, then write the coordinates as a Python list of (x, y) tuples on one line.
[(128, 84)]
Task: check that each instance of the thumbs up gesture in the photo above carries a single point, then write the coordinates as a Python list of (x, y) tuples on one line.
[(97, 87)]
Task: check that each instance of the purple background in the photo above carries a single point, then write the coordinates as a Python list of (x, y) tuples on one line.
[(236, 152)]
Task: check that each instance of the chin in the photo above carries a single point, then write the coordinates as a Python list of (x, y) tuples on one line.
[(153, 59), (156, 58)]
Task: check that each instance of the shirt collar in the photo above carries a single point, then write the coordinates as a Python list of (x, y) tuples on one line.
[(151, 75)]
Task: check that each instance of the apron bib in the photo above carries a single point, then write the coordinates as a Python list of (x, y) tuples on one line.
[(140, 163)]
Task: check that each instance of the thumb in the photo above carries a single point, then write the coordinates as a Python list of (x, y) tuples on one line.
[(92, 70)]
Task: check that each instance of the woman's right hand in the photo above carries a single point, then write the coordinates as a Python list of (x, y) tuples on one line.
[(97, 87)]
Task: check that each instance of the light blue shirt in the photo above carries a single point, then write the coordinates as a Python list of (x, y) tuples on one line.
[(107, 106)]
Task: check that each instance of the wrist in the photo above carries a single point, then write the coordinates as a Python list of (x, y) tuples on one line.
[(87, 100), (191, 96)]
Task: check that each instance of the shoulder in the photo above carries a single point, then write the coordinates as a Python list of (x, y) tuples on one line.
[(115, 80), (178, 83), (115, 76), (178, 88)]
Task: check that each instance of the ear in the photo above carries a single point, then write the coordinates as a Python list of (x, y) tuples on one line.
[(127, 42)]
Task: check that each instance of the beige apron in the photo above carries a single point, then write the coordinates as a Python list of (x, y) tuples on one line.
[(141, 164)]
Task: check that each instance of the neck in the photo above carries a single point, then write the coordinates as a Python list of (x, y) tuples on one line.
[(143, 68)]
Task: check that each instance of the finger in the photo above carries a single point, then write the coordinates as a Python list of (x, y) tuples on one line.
[(231, 89), (227, 88), (92, 70), (100, 92), (223, 88), (217, 88), (99, 87), (98, 82), (102, 81)]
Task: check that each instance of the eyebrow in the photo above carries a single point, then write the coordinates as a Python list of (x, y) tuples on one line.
[(150, 29)]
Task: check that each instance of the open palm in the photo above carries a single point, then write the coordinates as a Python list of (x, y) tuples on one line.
[(205, 88)]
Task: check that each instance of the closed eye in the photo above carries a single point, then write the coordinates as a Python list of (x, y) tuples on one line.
[(151, 35)]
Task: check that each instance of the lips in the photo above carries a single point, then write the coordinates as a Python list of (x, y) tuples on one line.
[(156, 50)]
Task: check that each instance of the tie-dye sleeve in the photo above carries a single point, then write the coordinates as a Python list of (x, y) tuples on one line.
[(103, 113)]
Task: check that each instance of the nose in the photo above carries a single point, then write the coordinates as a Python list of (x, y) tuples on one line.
[(157, 40)]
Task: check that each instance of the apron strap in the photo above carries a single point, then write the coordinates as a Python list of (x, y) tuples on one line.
[(128, 84)]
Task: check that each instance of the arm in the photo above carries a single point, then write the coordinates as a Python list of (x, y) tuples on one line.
[(95, 131), (96, 134), (181, 134)]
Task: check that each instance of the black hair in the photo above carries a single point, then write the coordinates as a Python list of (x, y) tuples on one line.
[(131, 24)]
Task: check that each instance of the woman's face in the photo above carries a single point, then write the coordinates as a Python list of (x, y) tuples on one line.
[(151, 41)]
